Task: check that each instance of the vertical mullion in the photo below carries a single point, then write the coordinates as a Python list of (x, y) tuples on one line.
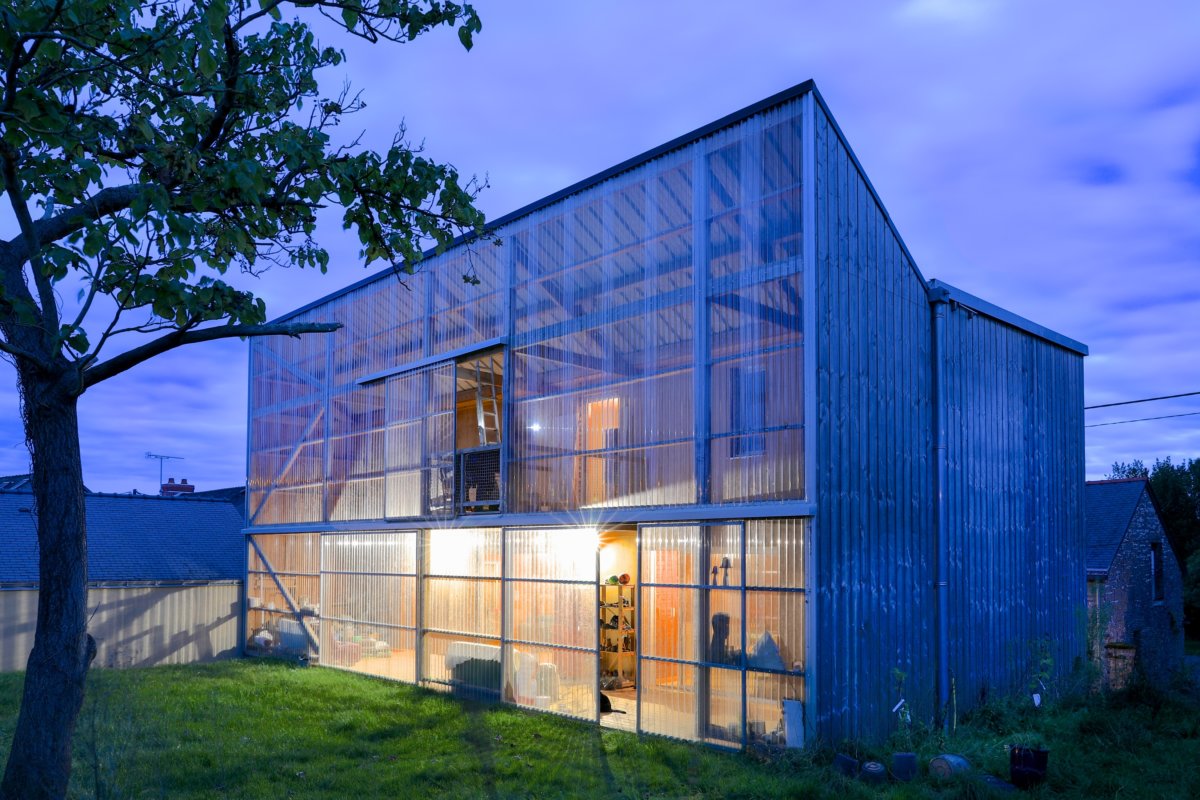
[(419, 618), (700, 378), (596, 622), (504, 596), (320, 591), (703, 683), (745, 624), (639, 675)]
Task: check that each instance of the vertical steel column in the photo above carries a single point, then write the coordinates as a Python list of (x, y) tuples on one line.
[(422, 536), (939, 299), (503, 615), (506, 406), (244, 615), (700, 381), (638, 675), (703, 625), (808, 243), (596, 615), (327, 399), (745, 624)]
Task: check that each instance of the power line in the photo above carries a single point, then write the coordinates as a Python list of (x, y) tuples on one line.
[(1143, 400), (1143, 419)]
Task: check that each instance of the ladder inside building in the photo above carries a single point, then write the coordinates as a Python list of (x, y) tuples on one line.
[(487, 407)]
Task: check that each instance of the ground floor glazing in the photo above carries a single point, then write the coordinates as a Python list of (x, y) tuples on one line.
[(693, 630)]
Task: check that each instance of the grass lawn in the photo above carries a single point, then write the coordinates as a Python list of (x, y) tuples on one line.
[(261, 729)]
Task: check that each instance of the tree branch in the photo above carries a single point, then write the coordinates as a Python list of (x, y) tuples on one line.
[(105, 202), (131, 358)]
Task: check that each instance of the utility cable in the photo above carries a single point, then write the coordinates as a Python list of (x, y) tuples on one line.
[(1143, 400), (1143, 419)]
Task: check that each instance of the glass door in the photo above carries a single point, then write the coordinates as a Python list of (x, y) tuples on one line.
[(692, 638)]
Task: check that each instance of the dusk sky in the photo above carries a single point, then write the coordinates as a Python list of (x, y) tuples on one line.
[(1044, 156)]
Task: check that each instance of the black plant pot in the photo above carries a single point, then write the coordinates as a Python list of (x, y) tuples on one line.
[(1027, 766)]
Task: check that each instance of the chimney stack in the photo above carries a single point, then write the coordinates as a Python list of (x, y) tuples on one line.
[(173, 489)]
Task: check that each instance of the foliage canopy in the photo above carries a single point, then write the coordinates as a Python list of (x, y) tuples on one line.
[(147, 148)]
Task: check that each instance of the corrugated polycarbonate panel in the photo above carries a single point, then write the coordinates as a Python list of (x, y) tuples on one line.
[(626, 309), (419, 455), (461, 605), (552, 613), (288, 389), (724, 712), (775, 553), (769, 698), (467, 665), (465, 313), (705, 618), (369, 601), (669, 699), (356, 453), (550, 606), (283, 592), (671, 623), (552, 679)]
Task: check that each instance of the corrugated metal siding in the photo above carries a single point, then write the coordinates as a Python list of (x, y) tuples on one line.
[(136, 626), (1016, 482), (873, 537)]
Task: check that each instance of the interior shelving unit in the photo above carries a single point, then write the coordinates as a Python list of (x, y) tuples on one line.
[(618, 636)]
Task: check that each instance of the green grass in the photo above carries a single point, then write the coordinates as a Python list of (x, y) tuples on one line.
[(260, 729)]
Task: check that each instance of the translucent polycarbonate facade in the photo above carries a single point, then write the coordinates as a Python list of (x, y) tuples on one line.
[(722, 345), (550, 619), (283, 593), (369, 603), (511, 614), (652, 331), (722, 632)]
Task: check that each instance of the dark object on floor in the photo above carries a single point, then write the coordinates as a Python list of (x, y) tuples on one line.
[(606, 705), (947, 765), (873, 772), (904, 766), (846, 765), (475, 675), (1027, 766)]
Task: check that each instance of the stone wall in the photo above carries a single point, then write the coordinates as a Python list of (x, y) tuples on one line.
[(1152, 628)]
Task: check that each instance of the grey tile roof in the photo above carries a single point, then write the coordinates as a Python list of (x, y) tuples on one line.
[(1110, 506), (133, 538)]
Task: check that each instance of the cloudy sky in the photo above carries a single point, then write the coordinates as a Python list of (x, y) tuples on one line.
[(1042, 155)]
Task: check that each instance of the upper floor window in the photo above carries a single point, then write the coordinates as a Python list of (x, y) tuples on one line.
[(479, 406), (749, 410)]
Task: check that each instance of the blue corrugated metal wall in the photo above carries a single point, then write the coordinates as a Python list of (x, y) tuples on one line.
[(873, 537), (1015, 506), (1015, 481)]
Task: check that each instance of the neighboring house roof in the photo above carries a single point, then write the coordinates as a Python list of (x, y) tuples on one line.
[(134, 538), (20, 483), (1110, 506), (232, 494)]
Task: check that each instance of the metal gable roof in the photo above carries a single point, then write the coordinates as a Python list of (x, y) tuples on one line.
[(1109, 507), (132, 538)]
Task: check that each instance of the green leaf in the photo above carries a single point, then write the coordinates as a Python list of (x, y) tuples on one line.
[(350, 17), (208, 64)]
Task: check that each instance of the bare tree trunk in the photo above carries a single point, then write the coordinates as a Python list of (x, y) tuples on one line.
[(39, 763)]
